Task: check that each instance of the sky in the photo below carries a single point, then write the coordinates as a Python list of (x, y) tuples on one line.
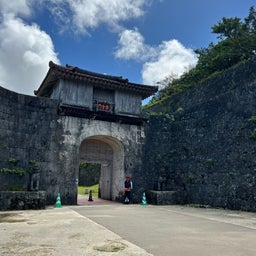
[(141, 40)]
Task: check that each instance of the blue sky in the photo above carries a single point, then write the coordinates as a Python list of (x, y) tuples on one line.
[(142, 40)]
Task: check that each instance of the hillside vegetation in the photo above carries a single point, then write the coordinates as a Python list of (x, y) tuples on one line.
[(237, 43)]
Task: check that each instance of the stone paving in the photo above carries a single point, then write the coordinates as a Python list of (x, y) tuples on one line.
[(109, 228), (58, 232)]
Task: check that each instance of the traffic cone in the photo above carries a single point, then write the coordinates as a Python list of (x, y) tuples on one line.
[(90, 196), (144, 200), (58, 202)]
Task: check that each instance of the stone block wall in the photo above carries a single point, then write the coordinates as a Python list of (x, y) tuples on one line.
[(22, 200), (202, 142), (28, 127), (13, 182)]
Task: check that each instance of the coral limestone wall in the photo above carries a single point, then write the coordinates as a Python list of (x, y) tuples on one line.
[(203, 141)]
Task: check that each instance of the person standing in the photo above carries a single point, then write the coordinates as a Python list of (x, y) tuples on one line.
[(127, 189)]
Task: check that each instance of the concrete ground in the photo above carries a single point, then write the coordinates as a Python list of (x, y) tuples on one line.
[(59, 232), (99, 228), (179, 230)]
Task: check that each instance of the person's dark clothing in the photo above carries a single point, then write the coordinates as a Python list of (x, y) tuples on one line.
[(127, 191)]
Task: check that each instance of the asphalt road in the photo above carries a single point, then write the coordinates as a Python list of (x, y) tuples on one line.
[(177, 230)]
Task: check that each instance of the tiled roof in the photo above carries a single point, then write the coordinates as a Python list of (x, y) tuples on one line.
[(57, 72)]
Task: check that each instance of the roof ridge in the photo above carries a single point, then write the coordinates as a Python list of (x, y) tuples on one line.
[(57, 72), (90, 73)]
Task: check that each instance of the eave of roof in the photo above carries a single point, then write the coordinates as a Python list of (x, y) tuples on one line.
[(57, 72)]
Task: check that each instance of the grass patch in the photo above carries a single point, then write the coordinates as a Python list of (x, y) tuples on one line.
[(94, 188)]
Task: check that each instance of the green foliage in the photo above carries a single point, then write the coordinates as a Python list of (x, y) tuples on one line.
[(210, 161), (190, 176), (172, 152), (237, 43), (31, 164), (18, 171), (12, 160), (252, 119), (4, 146), (152, 113), (158, 158), (253, 134), (89, 173), (83, 165), (17, 187)]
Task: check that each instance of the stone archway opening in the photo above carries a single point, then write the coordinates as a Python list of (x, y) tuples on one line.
[(108, 152), (88, 178)]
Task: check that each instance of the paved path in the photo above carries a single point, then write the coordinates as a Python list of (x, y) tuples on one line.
[(59, 232), (177, 230), (84, 200)]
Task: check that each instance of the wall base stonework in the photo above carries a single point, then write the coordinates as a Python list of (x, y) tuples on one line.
[(161, 197), (22, 200)]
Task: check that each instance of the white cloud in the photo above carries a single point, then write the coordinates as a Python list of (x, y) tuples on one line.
[(20, 7), (25, 52), (131, 46), (83, 15), (173, 59), (168, 58)]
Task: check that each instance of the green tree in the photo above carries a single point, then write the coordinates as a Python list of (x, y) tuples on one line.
[(237, 42), (239, 36), (89, 174)]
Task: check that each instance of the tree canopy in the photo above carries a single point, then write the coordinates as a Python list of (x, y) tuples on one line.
[(237, 42)]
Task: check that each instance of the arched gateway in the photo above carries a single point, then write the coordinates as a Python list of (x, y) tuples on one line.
[(99, 121), (109, 153)]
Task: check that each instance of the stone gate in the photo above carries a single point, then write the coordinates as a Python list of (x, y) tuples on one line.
[(77, 116)]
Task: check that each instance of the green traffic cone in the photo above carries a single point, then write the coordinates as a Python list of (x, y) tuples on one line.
[(144, 200), (58, 202)]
